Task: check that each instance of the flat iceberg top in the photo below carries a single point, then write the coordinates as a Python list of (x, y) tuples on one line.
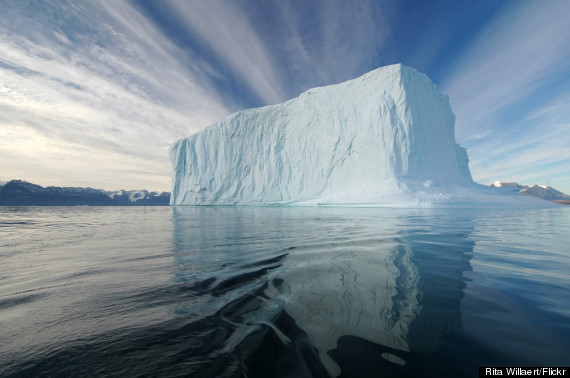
[(385, 137)]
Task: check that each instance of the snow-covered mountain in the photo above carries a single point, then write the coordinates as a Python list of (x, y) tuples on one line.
[(387, 137), (544, 192), (23, 193), (135, 196)]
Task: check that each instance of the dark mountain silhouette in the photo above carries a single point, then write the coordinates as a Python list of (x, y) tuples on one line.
[(23, 193)]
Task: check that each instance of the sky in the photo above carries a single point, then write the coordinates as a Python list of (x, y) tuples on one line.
[(92, 93)]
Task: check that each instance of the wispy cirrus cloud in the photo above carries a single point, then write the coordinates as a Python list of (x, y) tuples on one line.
[(505, 92), (95, 88), (522, 50), (540, 157), (101, 88), (225, 28), (280, 49), (331, 42), (92, 90)]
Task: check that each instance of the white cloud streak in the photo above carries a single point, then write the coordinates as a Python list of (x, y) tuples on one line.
[(99, 83), (344, 43), (94, 92), (227, 31), (100, 95), (332, 42), (520, 51), (524, 51), (538, 154)]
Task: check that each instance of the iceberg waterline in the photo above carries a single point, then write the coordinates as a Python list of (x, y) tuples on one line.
[(385, 138)]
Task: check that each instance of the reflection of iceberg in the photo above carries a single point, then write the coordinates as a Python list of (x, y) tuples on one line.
[(403, 293), (296, 283)]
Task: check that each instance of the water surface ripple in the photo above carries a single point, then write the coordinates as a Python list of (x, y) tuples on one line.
[(281, 291)]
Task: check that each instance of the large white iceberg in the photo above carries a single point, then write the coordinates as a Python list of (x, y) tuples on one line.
[(387, 137)]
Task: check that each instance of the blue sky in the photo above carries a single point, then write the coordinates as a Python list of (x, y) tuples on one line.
[(92, 93)]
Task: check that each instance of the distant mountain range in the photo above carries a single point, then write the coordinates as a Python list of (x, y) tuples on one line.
[(23, 193), (545, 192)]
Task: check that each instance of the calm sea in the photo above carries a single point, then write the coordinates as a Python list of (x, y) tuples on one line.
[(281, 291)]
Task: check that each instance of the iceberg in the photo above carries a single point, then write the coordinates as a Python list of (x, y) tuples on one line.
[(386, 138)]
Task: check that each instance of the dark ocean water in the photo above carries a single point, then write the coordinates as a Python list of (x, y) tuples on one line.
[(281, 291)]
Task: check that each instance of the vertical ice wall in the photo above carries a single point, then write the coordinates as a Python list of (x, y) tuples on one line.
[(361, 141)]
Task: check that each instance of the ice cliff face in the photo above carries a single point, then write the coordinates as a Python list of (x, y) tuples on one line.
[(386, 135)]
